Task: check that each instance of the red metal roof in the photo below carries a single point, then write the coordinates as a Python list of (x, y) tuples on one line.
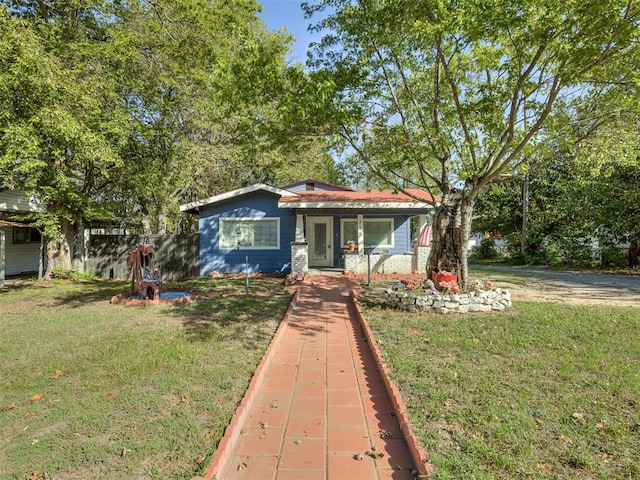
[(359, 196)]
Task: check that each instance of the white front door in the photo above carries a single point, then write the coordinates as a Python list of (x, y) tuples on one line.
[(319, 234)]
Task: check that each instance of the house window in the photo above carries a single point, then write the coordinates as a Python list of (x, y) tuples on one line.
[(378, 232), (26, 235), (259, 233)]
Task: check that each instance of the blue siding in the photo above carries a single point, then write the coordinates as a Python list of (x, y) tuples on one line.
[(258, 204)]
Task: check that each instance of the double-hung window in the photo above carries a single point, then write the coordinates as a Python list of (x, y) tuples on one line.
[(378, 232), (256, 233), (26, 235)]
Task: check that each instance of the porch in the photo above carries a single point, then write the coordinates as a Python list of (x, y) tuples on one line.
[(318, 246)]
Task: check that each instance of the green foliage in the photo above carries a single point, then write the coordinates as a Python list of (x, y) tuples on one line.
[(73, 275), (613, 257), (119, 112), (554, 254), (487, 249), (584, 187), (453, 96)]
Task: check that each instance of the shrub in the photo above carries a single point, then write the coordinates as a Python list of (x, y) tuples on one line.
[(487, 249), (73, 275), (613, 257), (554, 254)]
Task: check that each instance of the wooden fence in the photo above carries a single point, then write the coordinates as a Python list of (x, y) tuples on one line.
[(177, 255)]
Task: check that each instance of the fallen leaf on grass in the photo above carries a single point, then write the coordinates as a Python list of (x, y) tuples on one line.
[(110, 395), (209, 435), (578, 416), (186, 398), (38, 396), (11, 406), (605, 457), (545, 468), (200, 460), (37, 474), (58, 374), (601, 426)]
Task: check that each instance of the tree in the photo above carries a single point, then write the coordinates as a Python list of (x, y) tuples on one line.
[(58, 126), (452, 96), (584, 185), (113, 111)]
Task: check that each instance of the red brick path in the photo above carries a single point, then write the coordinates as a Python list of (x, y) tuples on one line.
[(320, 409)]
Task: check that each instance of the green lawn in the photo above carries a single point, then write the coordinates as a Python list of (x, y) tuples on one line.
[(541, 391), (101, 391)]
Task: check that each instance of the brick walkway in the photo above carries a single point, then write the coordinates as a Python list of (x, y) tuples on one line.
[(321, 410)]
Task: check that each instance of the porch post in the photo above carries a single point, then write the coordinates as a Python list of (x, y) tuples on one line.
[(299, 228), (360, 234), (2, 257), (299, 249), (422, 221)]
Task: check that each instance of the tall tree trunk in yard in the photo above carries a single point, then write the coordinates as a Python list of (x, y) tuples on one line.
[(451, 229), (79, 248), (634, 251), (162, 223)]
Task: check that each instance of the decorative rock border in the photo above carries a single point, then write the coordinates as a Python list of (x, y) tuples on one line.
[(414, 300)]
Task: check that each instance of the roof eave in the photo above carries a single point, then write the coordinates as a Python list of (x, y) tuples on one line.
[(356, 205), (194, 207)]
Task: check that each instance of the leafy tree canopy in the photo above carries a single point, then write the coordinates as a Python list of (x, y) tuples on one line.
[(452, 96)]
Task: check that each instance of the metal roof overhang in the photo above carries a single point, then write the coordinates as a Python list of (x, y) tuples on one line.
[(355, 205)]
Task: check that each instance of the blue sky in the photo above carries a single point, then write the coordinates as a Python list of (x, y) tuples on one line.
[(288, 14)]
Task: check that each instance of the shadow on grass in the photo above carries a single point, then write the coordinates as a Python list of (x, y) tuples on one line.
[(247, 320), (87, 292)]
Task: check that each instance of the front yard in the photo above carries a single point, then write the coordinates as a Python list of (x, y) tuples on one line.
[(540, 391), (94, 390)]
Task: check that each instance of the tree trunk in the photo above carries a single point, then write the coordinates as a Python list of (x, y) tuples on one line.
[(451, 230), (162, 223), (634, 250), (79, 255), (146, 225), (61, 248)]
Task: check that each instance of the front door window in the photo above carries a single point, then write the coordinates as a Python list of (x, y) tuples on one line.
[(319, 235)]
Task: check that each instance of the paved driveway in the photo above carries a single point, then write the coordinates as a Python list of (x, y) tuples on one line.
[(572, 278)]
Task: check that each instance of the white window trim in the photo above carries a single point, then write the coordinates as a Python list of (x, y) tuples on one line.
[(221, 220), (344, 240)]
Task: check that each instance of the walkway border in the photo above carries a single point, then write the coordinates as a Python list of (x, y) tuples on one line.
[(225, 448), (419, 455), (228, 442)]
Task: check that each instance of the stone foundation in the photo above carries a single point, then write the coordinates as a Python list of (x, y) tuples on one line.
[(417, 300)]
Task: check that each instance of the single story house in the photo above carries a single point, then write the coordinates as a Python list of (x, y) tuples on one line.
[(310, 224), (20, 244)]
